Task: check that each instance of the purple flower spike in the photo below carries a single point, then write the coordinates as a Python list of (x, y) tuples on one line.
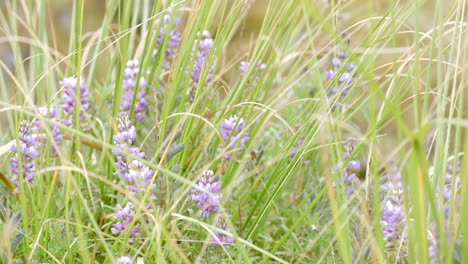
[(350, 180), (134, 174), (127, 134), (230, 131), (201, 58), (28, 152), (206, 195), (341, 65), (349, 174), (173, 40), (221, 239), (129, 90), (124, 260), (139, 177), (201, 63), (393, 222), (125, 216), (69, 99)]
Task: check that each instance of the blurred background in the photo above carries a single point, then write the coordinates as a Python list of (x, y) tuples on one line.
[(358, 16)]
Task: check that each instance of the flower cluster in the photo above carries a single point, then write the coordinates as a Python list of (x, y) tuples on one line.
[(201, 58), (139, 177), (129, 90), (124, 260), (231, 132), (206, 195), (125, 216), (41, 131), (349, 171), (259, 68), (123, 140), (221, 239), (134, 174), (343, 71), (349, 174), (172, 40), (69, 86), (27, 151), (393, 223)]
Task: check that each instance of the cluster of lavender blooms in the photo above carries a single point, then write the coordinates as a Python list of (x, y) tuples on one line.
[(393, 220), (201, 58), (133, 173), (172, 40), (124, 260), (393, 223), (220, 239), (206, 195), (125, 216), (41, 131), (69, 86), (233, 138), (349, 171), (27, 151), (129, 90), (349, 174), (259, 68), (342, 67)]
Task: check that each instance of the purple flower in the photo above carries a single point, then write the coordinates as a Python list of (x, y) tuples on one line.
[(349, 174), (341, 65), (125, 216), (40, 130), (231, 132), (220, 238), (69, 99), (129, 90), (134, 174), (206, 195), (393, 222), (173, 40), (139, 178), (329, 75), (336, 62), (124, 260), (124, 139), (244, 68), (28, 152), (201, 58)]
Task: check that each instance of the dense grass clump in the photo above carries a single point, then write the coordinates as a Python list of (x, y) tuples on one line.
[(233, 132)]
